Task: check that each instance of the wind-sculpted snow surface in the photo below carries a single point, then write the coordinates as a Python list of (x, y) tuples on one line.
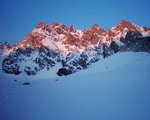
[(115, 88)]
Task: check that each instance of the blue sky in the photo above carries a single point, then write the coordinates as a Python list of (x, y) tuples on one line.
[(19, 17)]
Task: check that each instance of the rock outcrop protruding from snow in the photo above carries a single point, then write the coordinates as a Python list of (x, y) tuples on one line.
[(30, 60), (49, 45), (139, 44)]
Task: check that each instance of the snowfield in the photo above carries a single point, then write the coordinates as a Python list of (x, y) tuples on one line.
[(116, 88)]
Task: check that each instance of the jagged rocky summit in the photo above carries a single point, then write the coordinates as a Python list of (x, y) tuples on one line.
[(68, 50)]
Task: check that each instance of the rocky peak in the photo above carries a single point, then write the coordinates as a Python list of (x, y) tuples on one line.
[(41, 25), (72, 29), (120, 30), (97, 29), (146, 28), (59, 28), (55, 24), (145, 31), (5, 45), (126, 24)]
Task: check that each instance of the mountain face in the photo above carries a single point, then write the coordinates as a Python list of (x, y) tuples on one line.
[(72, 50)]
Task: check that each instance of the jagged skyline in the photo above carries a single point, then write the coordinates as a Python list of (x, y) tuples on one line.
[(54, 47), (20, 17)]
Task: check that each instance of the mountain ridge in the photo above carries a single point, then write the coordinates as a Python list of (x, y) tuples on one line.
[(46, 46), (72, 34)]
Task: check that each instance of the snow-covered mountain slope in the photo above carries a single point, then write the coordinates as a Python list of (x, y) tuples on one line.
[(116, 88), (114, 62), (72, 50)]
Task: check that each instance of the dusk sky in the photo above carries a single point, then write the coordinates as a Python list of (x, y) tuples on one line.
[(19, 17)]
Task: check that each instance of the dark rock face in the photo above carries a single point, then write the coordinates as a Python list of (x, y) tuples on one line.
[(26, 83), (107, 51), (75, 62), (133, 41), (30, 61), (29, 71), (130, 36), (64, 71), (141, 44), (10, 66), (115, 46), (33, 60)]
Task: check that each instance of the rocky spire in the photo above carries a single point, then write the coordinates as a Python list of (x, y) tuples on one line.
[(72, 29), (41, 25)]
